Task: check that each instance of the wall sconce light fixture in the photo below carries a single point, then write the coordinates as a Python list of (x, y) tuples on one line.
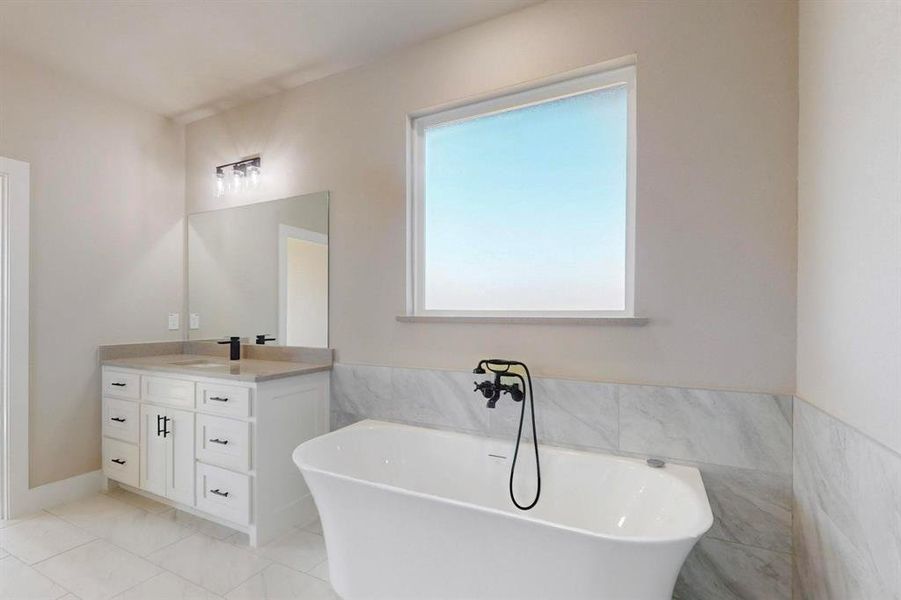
[(238, 176)]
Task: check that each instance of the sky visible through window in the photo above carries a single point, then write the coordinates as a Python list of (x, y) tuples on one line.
[(525, 210)]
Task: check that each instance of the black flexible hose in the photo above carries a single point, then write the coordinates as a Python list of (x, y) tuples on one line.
[(494, 365), (522, 415)]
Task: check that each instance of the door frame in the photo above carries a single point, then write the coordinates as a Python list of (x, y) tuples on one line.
[(14, 325), (284, 233)]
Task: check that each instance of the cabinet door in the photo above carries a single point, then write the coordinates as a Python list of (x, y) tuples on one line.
[(180, 456), (153, 450)]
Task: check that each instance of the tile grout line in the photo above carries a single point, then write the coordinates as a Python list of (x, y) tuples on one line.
[(792, 516), (96, 538), (32, 566), (755, 546), (158, 568), (619, 419), (171, 572), (76, 547), (271, 562), (66, 591), (51, 579), (196, 531), (319, 564)]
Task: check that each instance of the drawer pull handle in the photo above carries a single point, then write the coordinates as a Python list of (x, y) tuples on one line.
[(218, 441), (117, 419), (219, 492), (118, 384), (118, 461), (219, 398)]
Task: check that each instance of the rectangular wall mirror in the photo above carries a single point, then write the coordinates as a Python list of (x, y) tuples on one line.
[(261, 269)]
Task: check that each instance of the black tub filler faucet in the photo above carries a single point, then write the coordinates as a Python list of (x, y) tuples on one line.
[(518, 391), (492, 390)]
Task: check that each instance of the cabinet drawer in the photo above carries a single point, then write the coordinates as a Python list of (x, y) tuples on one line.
[(121, 384), (223, 493), (228, 400), (120, 419), (120, 461), (223, 442), (165, 390)]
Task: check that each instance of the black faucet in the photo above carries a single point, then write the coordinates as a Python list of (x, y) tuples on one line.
[(234, 343), (492, 390), (262, 339)]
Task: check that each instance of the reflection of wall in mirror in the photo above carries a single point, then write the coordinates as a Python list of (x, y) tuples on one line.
[(306, 297), (235, 264)]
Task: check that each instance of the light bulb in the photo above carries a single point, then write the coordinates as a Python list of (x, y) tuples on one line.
[(253, 177), (237, 181), (220, 183)]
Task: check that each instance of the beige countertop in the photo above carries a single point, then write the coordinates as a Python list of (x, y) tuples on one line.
[(248, 370)]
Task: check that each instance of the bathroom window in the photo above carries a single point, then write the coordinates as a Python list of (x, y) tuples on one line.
[(522, 205)]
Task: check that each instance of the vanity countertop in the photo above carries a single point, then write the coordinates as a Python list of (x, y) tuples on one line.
[(249, 370)]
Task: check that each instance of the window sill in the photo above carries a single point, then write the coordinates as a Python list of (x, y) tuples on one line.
[(593, 321)]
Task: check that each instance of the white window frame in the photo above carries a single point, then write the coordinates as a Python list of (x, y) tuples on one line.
[(574, 83)]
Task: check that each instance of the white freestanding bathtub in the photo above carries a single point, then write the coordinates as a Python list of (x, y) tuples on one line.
[(417, 513)]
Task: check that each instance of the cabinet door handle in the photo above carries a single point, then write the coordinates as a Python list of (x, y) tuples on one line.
[(118, 461), (118, 384), (166, 430), (117, 419), (218, 441), (219, 398), (159, 425), (219, 492)]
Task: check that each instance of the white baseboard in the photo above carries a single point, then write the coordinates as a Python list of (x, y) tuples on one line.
[(59, 492)]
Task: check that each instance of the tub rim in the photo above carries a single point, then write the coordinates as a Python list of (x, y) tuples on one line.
[(523, 516)]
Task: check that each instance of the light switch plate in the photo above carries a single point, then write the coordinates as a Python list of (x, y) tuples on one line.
[(195, 320), (173, 321)]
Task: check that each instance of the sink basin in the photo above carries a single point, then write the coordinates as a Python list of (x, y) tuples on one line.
[(199, 363)]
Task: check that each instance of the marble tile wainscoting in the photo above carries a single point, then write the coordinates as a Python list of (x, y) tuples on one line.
[(847, 507), (741, 442)]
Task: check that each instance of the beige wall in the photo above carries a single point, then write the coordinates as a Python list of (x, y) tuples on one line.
[(107, 206), (849, 195), (717, 126)]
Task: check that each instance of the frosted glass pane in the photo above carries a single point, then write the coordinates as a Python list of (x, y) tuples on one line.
[(525, 210)]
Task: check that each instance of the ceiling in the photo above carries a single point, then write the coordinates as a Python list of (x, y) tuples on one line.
[(188, 59)]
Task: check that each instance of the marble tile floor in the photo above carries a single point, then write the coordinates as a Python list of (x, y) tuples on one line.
[(124, 546)]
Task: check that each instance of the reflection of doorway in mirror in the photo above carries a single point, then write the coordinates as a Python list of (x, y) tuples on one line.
[(303, 287)]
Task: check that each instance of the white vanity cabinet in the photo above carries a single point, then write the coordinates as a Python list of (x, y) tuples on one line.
[(167, 457), (218, 448)]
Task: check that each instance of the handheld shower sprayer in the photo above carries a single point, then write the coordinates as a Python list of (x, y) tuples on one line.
[(492, 390)]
